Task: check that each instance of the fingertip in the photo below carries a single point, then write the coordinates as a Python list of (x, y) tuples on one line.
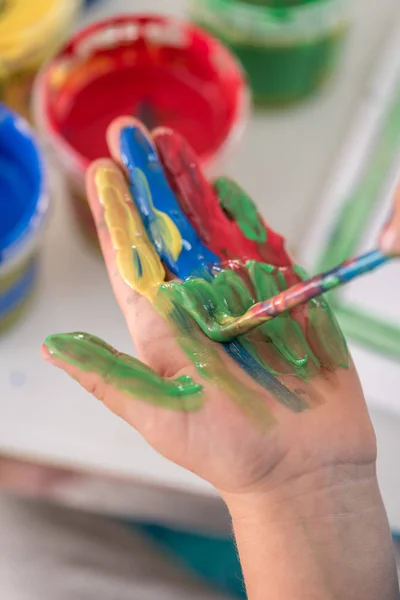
[(389, 242), (113, 134), (48, 352), (94, 187), (50, 344), (45, 353), (100, 163), (95, 166)]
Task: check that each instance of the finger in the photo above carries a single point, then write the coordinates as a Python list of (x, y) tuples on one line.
[(136, 393), (390, 239), (113, 142), (118, 379), (195, 196), (125, 243), (167, 227)]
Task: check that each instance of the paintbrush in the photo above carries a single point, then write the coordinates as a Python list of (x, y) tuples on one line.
[(298, 294)]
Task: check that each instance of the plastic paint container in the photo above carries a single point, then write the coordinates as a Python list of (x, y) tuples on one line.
[(159, 69), (23, 208), (288, 48), (30, 31)]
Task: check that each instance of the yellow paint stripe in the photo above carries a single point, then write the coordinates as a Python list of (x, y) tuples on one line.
[(138, 262)]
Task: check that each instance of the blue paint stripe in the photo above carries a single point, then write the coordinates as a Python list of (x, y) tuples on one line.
[(14, 295), (268, 381), (141, 159)]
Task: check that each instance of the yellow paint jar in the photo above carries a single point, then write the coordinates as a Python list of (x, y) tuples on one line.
[(30, 32)]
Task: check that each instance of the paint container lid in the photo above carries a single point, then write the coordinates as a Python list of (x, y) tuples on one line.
[(244, 20), (28, 28), (160, 69), (23, 196)]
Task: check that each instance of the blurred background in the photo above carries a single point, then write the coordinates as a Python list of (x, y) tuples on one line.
[(299, 101)]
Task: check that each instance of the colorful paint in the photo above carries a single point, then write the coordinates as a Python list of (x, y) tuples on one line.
[(167, 226), (29, 33), (287, 47), (295, 346), (222, 326), (137, 259), (233, 286), (124, 372), (141, 268), (224, 217), (282, 355), (157, 68), (23, 207)]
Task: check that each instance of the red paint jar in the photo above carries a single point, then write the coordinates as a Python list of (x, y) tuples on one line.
[(162, 70)]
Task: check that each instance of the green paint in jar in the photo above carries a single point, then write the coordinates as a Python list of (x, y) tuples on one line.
[(288, 48)]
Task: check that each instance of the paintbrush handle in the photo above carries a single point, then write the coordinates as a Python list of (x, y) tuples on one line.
[(304, 292), (311, 288)]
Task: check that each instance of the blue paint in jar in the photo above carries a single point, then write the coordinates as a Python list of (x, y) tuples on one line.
[(23, 208)]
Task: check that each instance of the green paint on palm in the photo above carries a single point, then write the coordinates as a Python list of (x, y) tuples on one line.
[(241, 208), (206, 356), (323, 331), (128, 375), (281, 345), (283, 332)]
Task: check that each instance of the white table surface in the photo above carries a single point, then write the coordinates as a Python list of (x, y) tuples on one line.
[(283, 163)]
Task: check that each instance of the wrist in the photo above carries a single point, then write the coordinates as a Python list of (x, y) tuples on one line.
[(330, 490), (323, 535)]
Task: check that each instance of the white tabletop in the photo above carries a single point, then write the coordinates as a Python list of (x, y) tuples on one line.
[(283, 163)]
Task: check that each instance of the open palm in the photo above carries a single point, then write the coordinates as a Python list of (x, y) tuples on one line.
[(266, 407)]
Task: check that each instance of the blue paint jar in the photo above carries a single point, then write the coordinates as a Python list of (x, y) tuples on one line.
[(23, 209)]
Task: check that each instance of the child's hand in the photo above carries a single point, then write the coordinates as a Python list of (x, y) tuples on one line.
[(283, 401)]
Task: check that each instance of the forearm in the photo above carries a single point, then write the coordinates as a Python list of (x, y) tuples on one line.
[(324, 536)]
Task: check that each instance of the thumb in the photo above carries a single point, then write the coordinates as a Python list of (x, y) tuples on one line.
[(117, 379)]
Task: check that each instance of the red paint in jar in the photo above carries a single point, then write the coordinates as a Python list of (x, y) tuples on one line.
[(162, 70)]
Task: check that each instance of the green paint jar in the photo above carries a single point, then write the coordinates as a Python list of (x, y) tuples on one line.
[(287, 47)]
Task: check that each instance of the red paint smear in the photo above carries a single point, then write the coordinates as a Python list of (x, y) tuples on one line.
[(197, 89), (201, 205)]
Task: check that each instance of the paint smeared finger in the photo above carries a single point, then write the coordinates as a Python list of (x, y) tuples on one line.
[(166, 225), (116, 378), (113, 135), (195, 195), (390, 239), (124, 293), (135, 258)]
